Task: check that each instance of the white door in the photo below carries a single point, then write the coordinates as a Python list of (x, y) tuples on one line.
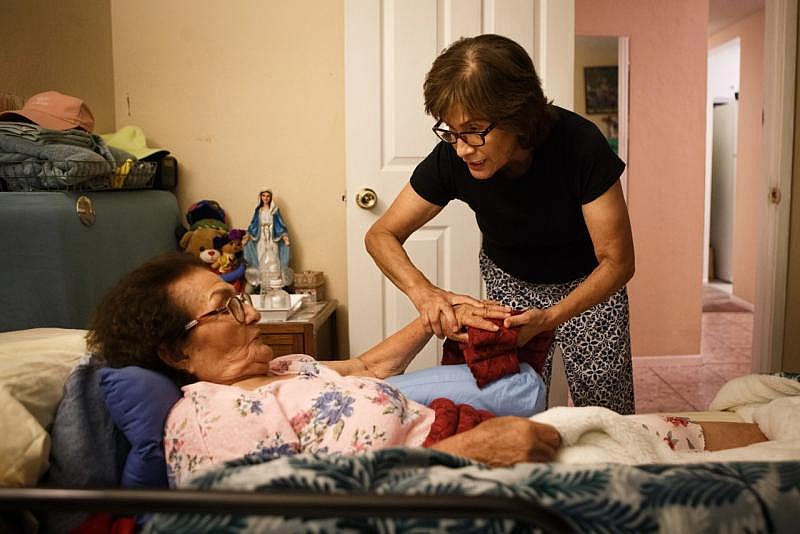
[(389, 47)]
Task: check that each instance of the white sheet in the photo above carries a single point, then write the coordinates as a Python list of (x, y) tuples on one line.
[(596, 435)]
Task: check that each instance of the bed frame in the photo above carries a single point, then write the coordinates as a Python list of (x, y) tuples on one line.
[(358, 506)]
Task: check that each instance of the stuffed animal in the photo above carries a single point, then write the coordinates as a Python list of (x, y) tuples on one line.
[(206, 220), (206, 213), (209, 239), (229, 265), (228, 259), (201, 240)]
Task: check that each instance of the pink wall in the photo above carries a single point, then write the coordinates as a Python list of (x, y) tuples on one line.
[(666, 162), (749, 159)]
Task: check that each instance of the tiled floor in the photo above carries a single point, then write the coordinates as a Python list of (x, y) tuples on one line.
[(689, 383)]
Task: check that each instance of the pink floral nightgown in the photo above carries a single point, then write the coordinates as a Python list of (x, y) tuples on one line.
[(318, 410)]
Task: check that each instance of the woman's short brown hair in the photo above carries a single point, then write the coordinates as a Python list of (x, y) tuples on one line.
[(493, 78), (138, 316)]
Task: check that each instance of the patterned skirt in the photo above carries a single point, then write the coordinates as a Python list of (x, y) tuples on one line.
[(595, 344)]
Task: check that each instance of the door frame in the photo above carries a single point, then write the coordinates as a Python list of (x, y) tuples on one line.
[(780, 51), (623, 93)]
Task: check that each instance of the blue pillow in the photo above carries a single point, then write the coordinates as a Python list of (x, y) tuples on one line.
[(522, 394), (139, 400)]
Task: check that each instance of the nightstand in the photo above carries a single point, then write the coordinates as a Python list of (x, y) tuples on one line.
[(310, 331)]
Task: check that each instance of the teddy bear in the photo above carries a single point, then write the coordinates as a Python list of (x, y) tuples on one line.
[(209, 239), (200, 242), (206, 220)]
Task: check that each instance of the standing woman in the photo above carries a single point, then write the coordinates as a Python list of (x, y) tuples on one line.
[(267, 237), (544, 185)]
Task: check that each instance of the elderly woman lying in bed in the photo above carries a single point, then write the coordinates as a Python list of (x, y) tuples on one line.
[(173, 315)]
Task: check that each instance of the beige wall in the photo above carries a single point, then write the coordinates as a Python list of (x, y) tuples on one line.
[(63, 46), (749, 158), (666, 162), (245, 94), (592, 52)]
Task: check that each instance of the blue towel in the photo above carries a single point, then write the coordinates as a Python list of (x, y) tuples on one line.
[(87, 450)]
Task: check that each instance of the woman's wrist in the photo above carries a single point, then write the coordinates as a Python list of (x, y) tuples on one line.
[(552, 317), (417, 291), (363, 368)]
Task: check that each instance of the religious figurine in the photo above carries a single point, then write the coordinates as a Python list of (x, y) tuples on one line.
[(266, 244)]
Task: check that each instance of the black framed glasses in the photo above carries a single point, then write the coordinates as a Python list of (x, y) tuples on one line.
[(234, 305), (470, 138)]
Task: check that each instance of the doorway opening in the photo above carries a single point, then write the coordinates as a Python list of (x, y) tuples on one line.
[(721, 159), (601, 89)]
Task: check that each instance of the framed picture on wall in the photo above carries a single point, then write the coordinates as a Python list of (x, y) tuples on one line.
[(601, 89)]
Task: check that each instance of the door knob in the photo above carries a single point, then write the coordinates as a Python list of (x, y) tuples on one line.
[(366, 198)]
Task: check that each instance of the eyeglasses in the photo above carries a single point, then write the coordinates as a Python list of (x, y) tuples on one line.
[(470, 138), (234, 305)]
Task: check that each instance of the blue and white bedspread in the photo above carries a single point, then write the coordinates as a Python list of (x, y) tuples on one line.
[(704, 497)]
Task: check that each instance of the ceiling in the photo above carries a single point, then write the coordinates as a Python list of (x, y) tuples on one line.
[(722, 13)]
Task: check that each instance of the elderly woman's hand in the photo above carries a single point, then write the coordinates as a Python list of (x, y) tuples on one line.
[(504, 441), (477, 317), (435, 308)]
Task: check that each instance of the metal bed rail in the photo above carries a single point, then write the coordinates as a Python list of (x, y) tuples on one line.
[(307, 505)]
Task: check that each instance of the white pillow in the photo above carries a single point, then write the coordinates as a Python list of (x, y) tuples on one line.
[(34, 364)]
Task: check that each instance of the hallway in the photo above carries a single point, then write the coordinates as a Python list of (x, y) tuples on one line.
[(689, 383)]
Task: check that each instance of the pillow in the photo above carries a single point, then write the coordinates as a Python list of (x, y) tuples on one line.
[(522, 394), (139, 401), (34, 365)]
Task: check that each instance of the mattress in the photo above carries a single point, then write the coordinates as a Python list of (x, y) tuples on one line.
[(57, 268)]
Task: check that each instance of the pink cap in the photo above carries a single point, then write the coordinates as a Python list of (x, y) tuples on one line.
[(55, 111)]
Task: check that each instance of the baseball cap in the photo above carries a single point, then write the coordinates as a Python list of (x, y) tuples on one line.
[(131, 139), (55, 111)]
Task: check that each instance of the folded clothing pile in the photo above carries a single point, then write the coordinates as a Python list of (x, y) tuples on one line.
[(491, 355), (49, 159), (49, 144)]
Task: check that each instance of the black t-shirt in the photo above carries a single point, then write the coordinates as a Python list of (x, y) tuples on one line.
[(532, 225)]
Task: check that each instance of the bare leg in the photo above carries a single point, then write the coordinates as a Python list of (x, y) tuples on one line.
[(721, 435)]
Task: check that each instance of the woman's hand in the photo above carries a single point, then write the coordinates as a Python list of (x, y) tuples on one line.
[(504, 441), (477, 317), (530, 323), (436, 311)]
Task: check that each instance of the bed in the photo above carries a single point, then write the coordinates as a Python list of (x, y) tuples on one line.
[(398, 489)]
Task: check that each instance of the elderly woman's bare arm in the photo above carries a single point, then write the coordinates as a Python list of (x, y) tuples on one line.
[(504, 441), (392, 355), (389, 357)]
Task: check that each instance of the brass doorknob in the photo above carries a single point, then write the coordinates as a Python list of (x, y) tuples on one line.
[(366, 198)]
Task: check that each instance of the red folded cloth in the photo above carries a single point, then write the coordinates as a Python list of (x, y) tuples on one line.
[(452, 418), (491, 355)]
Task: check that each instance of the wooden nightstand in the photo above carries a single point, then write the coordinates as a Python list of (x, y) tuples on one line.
[(310, 331)]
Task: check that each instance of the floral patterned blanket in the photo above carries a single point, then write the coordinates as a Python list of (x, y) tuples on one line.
[(703, 497)]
